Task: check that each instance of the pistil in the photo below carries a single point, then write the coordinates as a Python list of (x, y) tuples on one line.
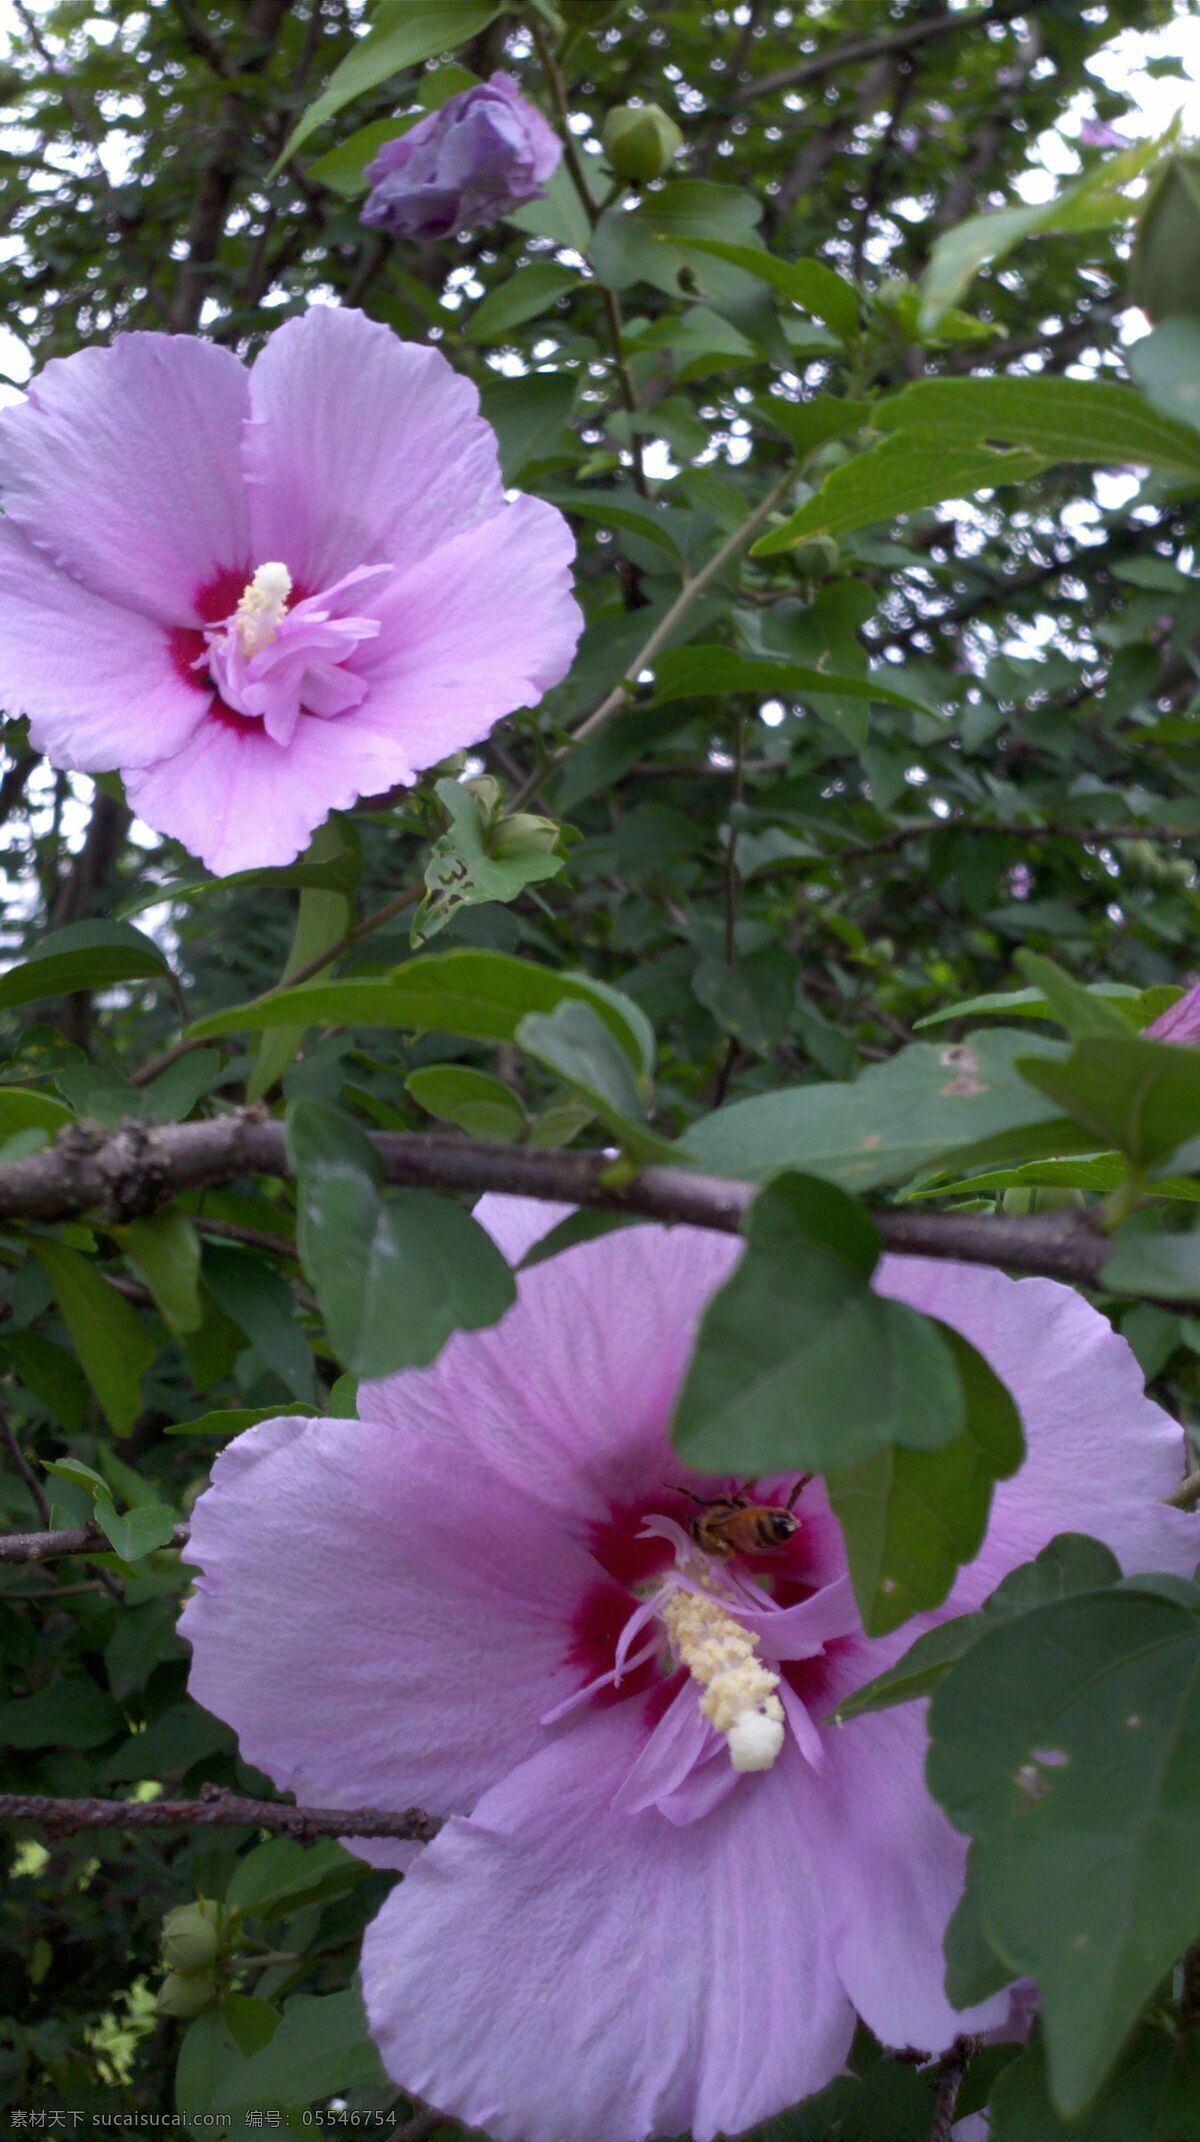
[(262, 607), (739, 1697)]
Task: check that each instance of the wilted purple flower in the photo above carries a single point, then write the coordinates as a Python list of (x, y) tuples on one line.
[(667, 1881), (1180, 1021), (483, 153)]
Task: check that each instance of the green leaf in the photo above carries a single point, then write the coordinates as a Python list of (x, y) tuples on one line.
[(139, 1531), (909, 470), (808, 424), (1095, 202), (798, 1362), (808, 283), (281, 1876), (1167, 1267), (524, 296), (928, 1102), (320, 2047), (1067, 1744), (232, 1421), (1153, 2094), (713, 672), (1070, 1563), (22, 1110), (527, 416), (84, 955), (650, 244), (402, 33), (395, 1274), (911, 1518), (258, 1299), (1089, 420), (1034, 1004), (479, 996), (460, 872), (1084, 1014), (752, 1000), (70, 1713), (1166, 366), (1143, 1097), (251, 2023), (472, 1100), (574, 1043), (165, 1252), (112, 1342)]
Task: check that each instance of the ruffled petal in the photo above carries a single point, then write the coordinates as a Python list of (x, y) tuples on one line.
[(484, 624), (241, 802), (891, 1871), (380, 1620), (553, 1972), (123, 465), (98, 682), (361, 449), (1100, 1454), (570, 1396)]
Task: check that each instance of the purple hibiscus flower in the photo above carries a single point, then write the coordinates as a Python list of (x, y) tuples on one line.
[(666, 1883), (262, 594), (483, 153)]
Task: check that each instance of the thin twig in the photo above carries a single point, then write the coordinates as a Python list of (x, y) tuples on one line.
[(67, 1539), (857, 49), (22, 1466), (216, 1809), (950, 2071)]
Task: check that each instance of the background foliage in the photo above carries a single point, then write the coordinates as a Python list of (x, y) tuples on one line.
[(942, 713)]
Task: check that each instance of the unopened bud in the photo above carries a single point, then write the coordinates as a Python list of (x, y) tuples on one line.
[(1164, 275), (525, 834), (191, 1936), (640, 141), (183, 1996), (817, 557), (487, 792)]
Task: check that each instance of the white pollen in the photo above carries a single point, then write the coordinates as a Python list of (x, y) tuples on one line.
[(262, 606), (754, 1741), (739, 1697)]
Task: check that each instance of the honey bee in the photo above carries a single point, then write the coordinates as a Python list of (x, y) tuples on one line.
[(732, 1524)]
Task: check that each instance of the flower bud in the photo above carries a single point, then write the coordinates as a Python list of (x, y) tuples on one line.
[(191, 1936), (184, 1997), (525, 834), (487, 150), (488, 794), (640, 141), (1164, 276)]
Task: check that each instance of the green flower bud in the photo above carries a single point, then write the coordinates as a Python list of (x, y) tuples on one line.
[(640, 141), (817, 557), (488, 794), (1164, 275), (1043, 1198), (185, 1997), (191, 1936), (525, 834)]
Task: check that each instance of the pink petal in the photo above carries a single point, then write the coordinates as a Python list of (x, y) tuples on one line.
[(484, 624), (672, 1752), (241, 802), (97, 682), (123, 465), (362, 449), (890, 1872), (1101, 1455), (516, 1223), (570, 1396), (380, 1620), (554, 1972)]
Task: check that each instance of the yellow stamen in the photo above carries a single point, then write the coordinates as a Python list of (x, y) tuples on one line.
[(262, 607), (739, 1691)]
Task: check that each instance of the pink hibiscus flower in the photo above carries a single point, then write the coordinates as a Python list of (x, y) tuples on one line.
[(263, 594), (667, 1883)]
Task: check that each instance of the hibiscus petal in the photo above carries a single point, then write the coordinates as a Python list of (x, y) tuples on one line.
[(361, 449), (890, 1869), (485, 624), (123, 465), (1101, 1455), (378, 1618), (240, 801), (554, 1972), (97, 682), (570, 1396)]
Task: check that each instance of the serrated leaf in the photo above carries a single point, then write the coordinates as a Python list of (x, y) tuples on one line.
[(902, 474)]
